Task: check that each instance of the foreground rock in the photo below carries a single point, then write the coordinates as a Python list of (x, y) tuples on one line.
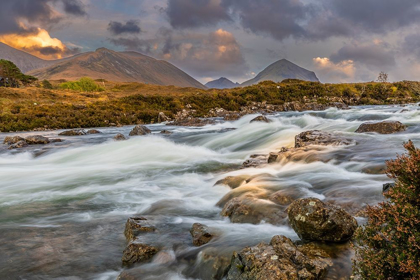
[(37, 140), (119, 137), (201, 234), (282, 259), (314, 220), (322, 138), (386, 127), (73, 132), (140, 130), (138, 253), (260, 119), (135, 226)]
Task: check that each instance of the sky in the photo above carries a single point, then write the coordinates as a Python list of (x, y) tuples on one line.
[(341, 40)]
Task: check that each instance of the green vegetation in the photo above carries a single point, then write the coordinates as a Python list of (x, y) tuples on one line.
[(46, 84), (389, 244), (11, 76), (82, 85), (132, 103)]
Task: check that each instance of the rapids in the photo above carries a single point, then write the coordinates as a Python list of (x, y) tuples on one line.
[(63, 206)]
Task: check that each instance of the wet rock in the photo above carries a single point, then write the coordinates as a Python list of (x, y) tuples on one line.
[(138, 253), (167, 132), (285, 197), (18, 145), (261, 119), (200, 234), (119, 137), (255, 161), (254, 211), (57, 140), (388, 186), (93, 131), (73, 132), (316, 137), (9, 140), (386, 127), (281, 259), (314, 220), (135, 226), (163, 118), (37, 140), (140, 130), (211, 264), (233, 182)]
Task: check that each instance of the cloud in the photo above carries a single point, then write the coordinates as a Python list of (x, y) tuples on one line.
[(411, 45), (328, 71), (74, 7), (118, 28)]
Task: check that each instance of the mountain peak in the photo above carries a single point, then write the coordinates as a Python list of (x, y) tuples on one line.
[(221, 83)]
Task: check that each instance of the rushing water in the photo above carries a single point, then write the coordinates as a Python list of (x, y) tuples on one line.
[(63, 206)]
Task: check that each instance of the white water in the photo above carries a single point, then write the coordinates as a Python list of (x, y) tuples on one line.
[(63, 207)]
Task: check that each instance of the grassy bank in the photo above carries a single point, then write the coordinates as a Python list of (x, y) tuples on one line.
[(131, 103)]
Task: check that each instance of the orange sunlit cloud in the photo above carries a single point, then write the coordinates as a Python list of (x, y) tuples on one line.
[(40, 44)]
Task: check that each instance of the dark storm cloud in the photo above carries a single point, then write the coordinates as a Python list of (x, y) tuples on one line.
[(118, 28), (74, 7)]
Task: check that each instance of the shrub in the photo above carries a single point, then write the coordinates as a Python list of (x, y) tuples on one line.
[(388, 246), (46, 84), (9, 71), (82, 85)]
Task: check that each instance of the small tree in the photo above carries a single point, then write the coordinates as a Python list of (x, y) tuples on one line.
[(383, 77), (12, 74), (388, 246)]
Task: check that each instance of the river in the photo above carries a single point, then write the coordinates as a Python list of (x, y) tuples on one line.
[(63, 206)]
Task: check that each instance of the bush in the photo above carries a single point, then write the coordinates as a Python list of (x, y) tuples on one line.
[(46, 84), (388, 246), (12, 76), (82, 85)]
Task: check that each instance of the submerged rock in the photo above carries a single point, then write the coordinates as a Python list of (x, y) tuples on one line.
[(37, 140), (9, 140), (139, 130), (281, 259), (211, 264), (93, 131), (18, 145), (73, 132), (138, 253), (136, 225), (261, 119), (316, 137), (314, 220), (200, 234), (233, 182), (119, 137), (167, 132), (386, 127)]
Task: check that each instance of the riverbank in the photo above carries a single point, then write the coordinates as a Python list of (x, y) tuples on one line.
[(119, 104)]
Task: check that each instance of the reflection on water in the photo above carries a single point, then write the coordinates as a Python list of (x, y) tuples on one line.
[(63, 206)]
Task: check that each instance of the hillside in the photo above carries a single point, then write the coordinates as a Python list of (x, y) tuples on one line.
[(118, 67), (221, 83), (281, 70)]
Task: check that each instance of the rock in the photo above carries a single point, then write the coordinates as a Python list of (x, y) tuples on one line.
[(255, 161), (211, 264), (200, 234), (314, 220), (254, 211), (119, 137), (233, 182), (9, 140), (163, 118), (192, 122), (139, 130), (167, 132), (286, 197), (281, 259), (93, 131), (386, 127), (316, 137), (260, 119), (232, 117), (135, 226), (37, 140), (73, 132), (57, 140), (386, 187), (138, 253), (18, 145)]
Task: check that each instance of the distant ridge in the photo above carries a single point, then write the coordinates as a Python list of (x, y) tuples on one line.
[(222, 83), (281, 70)]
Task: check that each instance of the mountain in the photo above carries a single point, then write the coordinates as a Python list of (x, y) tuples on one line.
[(221, 84), (118, 67), (281, 70), (25, 61)]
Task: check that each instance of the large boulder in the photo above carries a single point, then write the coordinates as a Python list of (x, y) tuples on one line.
[(200, 234), (137, 225), (138, 253), (139, 130), (386, 127), (281, 259), (315, 220), (321, 138), (37, 140), (73, 132), (9, 140)]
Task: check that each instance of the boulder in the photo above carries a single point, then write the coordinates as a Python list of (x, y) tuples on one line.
[(73, 132), (200, 234), (93, 131), (135, 226), (233, 182), (254, 211), (322, 138), (139, 130), (315, 220), (260, 119), (18, 145), (119, 137), (138, 253), (9, 140), (386, 127), (37, 140), (255, 161), (281, 259)]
